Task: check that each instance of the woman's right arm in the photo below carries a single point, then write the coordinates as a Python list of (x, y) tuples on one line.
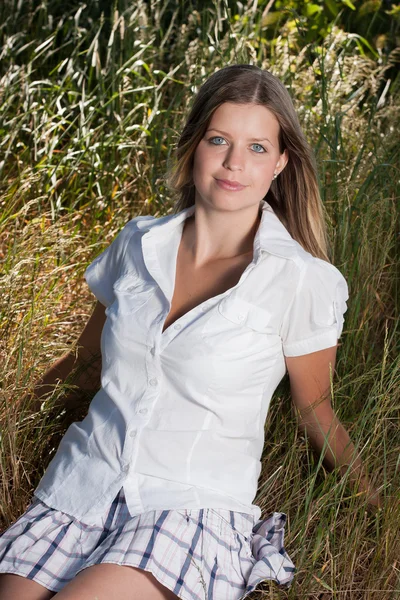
[(83, 361)]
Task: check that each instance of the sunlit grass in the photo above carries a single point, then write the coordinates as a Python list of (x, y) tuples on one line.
[(88, 123)]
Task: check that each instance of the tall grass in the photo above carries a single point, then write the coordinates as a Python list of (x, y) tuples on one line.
[(89, 115)]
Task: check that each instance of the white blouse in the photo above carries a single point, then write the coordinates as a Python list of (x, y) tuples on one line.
[(179, 419)]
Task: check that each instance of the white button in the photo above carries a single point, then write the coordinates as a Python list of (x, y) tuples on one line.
[(144, 411), (125, 467), (177, 326), (204, 308), (132, 434), (240, 317), (153, 351), (153, 382)]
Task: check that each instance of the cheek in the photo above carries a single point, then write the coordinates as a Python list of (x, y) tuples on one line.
[(263, 174)]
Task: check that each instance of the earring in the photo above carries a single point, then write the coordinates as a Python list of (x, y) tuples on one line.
[(275, 175)]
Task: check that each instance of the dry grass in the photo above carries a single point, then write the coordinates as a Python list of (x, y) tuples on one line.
[(86, 140)]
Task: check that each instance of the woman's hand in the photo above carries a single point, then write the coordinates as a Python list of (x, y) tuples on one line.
[(373, 497)]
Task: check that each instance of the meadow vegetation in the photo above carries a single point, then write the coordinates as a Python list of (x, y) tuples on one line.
[(91, 104)]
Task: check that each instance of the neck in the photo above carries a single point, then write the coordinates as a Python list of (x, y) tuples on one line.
[(210, 236)]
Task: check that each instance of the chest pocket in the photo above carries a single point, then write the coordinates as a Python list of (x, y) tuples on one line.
[(131, 292), (238, 326)]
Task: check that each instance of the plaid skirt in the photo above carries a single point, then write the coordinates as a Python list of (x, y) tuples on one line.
[(199, 554)]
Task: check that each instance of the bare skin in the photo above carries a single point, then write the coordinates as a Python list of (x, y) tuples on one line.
[(196, 283), (99, 582), (15, 587)]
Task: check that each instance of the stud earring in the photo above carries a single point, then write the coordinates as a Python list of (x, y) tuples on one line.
[(275, 175)]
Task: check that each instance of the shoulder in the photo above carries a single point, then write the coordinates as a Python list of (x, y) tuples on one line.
[(314, 270), (313, 315), (123, 238), (321, 290), (136, 224), (120, 243), (312, 282)]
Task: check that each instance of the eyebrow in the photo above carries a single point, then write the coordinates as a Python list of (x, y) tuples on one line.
[(250, 139)]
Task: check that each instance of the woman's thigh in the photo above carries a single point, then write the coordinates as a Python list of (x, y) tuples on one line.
[(114, 582), (16, 587)]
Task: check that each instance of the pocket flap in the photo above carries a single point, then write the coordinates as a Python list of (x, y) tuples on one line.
[(245, 313), (127, 282)]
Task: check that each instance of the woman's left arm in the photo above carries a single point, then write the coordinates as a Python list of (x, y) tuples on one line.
[(310, 383)]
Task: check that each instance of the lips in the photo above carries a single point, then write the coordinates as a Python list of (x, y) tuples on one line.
[(232, 186)]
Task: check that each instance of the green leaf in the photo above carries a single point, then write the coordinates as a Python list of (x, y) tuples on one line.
[(312, 9), (349, 4), (394, 11), (323, 583), (272, 18), (366, 43)]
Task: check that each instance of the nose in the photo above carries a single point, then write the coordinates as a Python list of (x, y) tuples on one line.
[(234, 159)]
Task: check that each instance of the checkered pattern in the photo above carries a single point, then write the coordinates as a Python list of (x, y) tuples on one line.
[(199, 554)]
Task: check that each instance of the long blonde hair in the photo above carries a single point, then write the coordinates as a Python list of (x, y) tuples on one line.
[(294, 195)]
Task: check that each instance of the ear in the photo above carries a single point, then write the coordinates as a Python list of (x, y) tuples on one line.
[(282, 161)]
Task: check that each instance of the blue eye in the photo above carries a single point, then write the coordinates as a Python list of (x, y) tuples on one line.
[(219, 141), (212, 140), (259, 146)]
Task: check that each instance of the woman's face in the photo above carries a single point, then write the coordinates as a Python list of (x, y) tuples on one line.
[(235, 161)]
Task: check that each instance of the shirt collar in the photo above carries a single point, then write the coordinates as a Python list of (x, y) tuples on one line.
[(271, 236)]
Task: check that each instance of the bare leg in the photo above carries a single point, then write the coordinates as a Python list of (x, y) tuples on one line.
[(114, 582), (16, 587)]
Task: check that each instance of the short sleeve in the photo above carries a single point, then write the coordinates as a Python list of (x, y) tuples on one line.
[(314, 320), (101, 274)]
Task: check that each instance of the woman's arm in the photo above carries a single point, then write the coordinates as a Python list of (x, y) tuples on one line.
[(84, 360), (310, 383)]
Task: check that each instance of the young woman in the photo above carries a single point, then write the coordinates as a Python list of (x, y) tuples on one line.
[(199, 315)]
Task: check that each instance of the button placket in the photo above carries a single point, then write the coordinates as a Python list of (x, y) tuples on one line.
[(153, 379), (172, 331), (127, 465)]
